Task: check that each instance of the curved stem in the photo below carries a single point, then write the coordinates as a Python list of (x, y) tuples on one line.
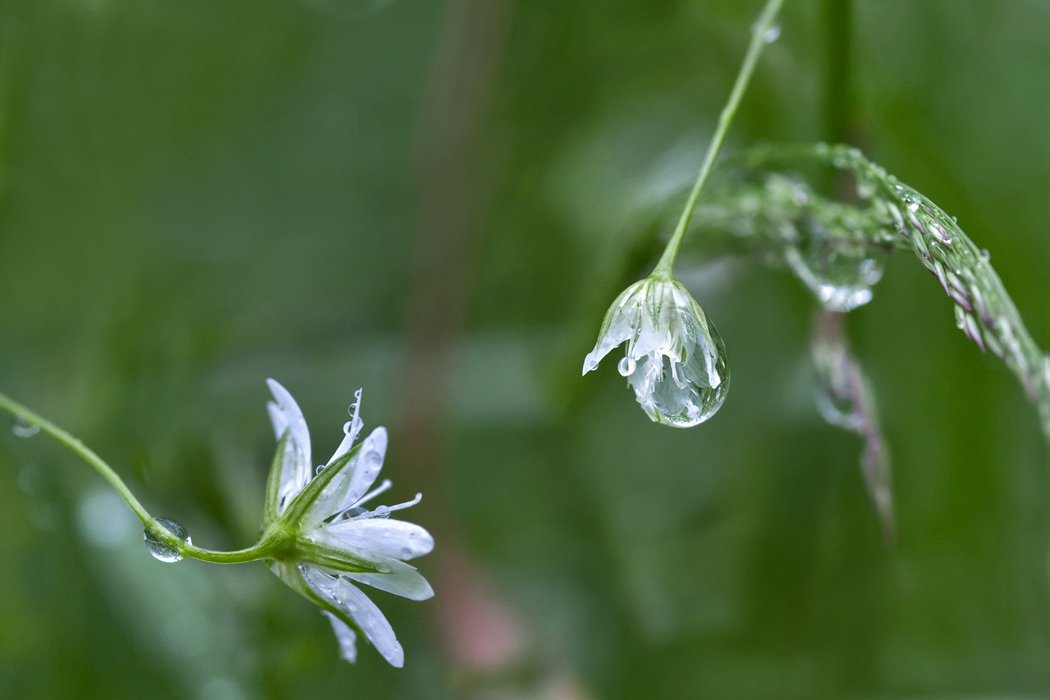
[(758, 41), (260, 550), (896, 216), (88, 455)]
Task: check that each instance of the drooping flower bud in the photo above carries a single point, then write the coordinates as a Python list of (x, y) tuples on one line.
[(675, 360)]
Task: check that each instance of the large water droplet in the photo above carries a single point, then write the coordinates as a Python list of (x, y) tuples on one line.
[(840, 272), (687, 393), (626, 366), (161, 551), (23, 428)]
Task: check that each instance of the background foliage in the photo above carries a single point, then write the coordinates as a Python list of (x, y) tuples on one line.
[(198, 195)]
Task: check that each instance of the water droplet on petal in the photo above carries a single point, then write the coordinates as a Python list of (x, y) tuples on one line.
[(23, 428), (159, 549), (626, 366)]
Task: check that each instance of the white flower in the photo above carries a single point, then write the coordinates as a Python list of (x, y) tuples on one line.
[(675, 360), (327, 540)]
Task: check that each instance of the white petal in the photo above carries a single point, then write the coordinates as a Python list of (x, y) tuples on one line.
[(404, 581), (369, 463), (350, 430), (353, 481), (297, 468), (280, 423), (346, 636), (356, 605), (393, 539), (620, 324)]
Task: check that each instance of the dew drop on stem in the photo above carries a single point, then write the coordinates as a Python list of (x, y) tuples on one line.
[(23, 428), (159, 549)]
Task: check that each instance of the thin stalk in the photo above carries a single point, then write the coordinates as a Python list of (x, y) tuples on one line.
[(86, 453), (839, 115), (758, 41), (261, 550)]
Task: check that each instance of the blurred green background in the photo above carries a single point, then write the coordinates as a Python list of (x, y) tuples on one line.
[(435, 201)]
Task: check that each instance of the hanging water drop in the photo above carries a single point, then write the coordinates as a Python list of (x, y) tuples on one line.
[(159, 549), (23, 428), (626, 366), (838, 270), (687, 393)]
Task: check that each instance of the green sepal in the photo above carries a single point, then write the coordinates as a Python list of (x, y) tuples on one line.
[(273, 481), (337, 558), (305, 498)]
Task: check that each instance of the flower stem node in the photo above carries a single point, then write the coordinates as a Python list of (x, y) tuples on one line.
[(675, 360), (322, 538)]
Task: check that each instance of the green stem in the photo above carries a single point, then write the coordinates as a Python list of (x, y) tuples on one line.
[(838, 87), (758, 41), (261, 550)]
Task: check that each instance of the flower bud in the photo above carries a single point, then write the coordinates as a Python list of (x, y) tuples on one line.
[(675, 361)]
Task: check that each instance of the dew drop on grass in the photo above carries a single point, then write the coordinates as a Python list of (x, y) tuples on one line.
[(840, 273), (626, 366), (23, 428), (771, 35), (161, 551)]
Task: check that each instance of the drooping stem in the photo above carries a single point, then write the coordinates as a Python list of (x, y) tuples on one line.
[(758, 41), (261, 550), (86, 453), (891, 216)]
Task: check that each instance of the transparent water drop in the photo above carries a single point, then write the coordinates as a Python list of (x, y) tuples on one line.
[(684, 394), (771, 35), (839, 271), (866, 189), (626, 366), (835, 403), (319, 469), (161, 551), (23, 428)]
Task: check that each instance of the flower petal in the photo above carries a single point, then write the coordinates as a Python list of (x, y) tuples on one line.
[(285, 415), (620, 324), (404, 581), (352, 482), (349, 600), (350, 430), (346, 636), (394, 539)]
